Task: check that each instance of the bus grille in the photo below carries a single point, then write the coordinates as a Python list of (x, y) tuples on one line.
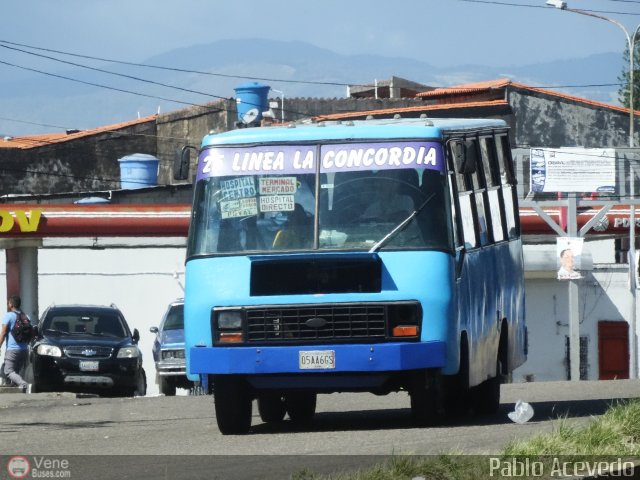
[(316, 323)]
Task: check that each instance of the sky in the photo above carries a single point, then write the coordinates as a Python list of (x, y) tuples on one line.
[(440, 32)]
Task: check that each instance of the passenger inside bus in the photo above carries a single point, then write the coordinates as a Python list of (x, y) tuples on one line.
[(395, 194), (297, 232)]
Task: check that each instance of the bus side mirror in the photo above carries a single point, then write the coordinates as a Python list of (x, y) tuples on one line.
[(464, 156), (182, 163)]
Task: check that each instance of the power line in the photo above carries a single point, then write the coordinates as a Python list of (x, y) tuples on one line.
[(98, 84), (175, 69), (131, 77)]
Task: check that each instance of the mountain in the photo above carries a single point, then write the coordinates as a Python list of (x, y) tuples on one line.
[(295, 69)]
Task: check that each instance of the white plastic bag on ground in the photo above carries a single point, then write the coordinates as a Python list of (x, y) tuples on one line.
[(522, 413)]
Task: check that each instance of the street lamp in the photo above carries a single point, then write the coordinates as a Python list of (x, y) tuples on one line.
[(574, 342), (562, 5)]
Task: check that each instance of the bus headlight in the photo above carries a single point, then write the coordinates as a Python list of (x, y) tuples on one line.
[(230, 320), (405, 320), (229, 326)]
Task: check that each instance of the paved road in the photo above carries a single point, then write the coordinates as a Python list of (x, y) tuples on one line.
[(346, 426)]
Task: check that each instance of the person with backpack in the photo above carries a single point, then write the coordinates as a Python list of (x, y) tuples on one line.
[(16, 351)]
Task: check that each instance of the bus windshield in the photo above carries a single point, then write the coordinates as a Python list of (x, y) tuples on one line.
[(357, 209)]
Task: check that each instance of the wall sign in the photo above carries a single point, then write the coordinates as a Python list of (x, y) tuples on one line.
[(27, 220)]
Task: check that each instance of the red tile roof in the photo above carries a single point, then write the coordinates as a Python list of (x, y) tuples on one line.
[(466, 88), (415, 109), (35, 141), (479, 87), (461, 96)]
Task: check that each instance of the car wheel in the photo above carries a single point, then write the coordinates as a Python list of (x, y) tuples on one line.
[(141, 386), (301, 406), (271, 407), (166, 386), (233, 406)]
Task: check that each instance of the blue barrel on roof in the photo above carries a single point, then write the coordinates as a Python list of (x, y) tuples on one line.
[(251, 100), (138, 170)]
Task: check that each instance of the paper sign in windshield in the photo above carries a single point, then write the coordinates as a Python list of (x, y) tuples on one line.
[(244, 207), (241, 187), (277, 185), (277, 203)]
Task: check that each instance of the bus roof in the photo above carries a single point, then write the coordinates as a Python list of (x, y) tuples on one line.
[(433, 128)]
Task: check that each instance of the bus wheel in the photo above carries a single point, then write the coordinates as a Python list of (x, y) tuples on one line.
[(271, 407), (233, 406), (457, 392), (424, 406), (301, 406), (486, 396)]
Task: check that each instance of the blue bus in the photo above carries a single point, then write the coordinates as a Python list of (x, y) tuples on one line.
[(369, 256)]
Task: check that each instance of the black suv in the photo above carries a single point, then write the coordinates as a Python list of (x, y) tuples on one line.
[(86, 348)]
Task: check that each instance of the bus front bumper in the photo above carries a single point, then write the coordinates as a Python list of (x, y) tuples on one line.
[(379, 357)]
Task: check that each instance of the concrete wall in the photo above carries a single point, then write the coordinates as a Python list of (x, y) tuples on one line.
[(547, 121), (84, 164)]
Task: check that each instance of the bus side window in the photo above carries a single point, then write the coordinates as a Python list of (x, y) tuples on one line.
[(507, 180), (478, 186), (463, 190), (492, 177)]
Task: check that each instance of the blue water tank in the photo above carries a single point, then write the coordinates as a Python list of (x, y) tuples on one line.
[(252, 99), (138, 170)]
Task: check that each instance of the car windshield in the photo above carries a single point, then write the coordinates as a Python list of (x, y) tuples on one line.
[(84, 322), (175, 318)]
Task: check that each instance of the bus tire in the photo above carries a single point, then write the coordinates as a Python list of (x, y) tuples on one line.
[(486, 396), (271, 407), (457, 392), (301, 406), (232, 405), (424, 406)]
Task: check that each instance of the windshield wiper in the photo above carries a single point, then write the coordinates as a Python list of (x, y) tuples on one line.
[(401, 226)]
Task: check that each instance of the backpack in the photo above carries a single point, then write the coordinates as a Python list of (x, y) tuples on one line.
[(22, 330)]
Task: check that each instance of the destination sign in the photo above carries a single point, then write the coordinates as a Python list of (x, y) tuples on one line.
[(297, 159)]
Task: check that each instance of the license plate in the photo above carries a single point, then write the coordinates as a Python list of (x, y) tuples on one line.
[(89, 365), (317, 360)]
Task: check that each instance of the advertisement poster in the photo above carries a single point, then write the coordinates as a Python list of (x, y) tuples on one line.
[(573, 170), (569, 256)]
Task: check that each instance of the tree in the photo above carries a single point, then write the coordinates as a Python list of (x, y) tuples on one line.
[(623, 78)]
